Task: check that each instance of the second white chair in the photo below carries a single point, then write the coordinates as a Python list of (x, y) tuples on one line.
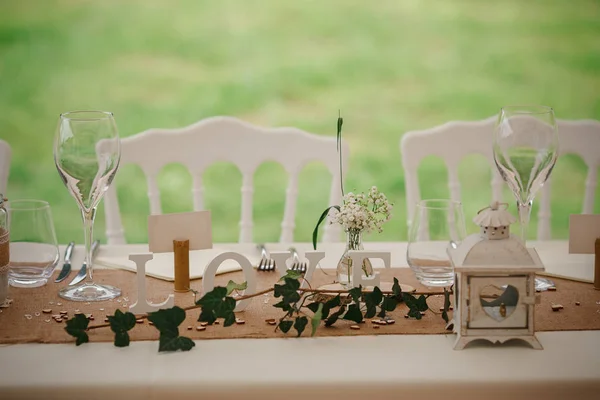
[(454, 140), (231, 140)]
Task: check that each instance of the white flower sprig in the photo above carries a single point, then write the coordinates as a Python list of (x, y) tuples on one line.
[(363, 212)]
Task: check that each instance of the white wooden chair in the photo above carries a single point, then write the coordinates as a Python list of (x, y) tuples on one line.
[(5, 155), (232, 140), (454, 140)]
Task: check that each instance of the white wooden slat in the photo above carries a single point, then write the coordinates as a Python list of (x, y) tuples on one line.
[(246, 223), (289, 213), (153, 194), (198, 192), (114, 226), (591, 183), (453, 183)]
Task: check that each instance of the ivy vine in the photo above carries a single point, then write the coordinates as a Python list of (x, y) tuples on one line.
[(299, 306)]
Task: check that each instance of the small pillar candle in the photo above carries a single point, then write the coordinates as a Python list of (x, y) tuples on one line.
[(597, 266), (181, 250)]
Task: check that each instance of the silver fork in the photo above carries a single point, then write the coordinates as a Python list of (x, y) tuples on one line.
[(296, 264), (266, 263)]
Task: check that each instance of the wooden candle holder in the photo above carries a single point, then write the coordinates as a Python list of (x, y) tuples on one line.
[(597, 265), (181, 251)]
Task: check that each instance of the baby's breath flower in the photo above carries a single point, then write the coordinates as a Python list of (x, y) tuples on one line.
[(363, 212)]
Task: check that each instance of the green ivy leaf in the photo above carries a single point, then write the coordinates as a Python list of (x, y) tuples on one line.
[(207, 316), (353, 314), (314, 306), (300, 324), (168, 343), (389, 303), (229, 319), (397, 289), (120, 323), (285, 326), (291, 274), (356, 293), (334, 317), (329, 304), (415, 305), (316, 319), (77, 327), (212, 299), (167, 322), (284, 306), (231, 286), (372, 300), (216, 304), (288, 290)]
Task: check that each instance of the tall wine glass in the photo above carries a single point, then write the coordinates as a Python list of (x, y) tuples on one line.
[(525, 151), (87, 152)]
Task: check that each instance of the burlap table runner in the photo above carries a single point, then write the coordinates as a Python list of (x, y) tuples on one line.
[(24, 321)]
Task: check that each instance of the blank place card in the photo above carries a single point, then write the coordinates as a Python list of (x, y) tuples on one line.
[(584, 229), (193, 226)]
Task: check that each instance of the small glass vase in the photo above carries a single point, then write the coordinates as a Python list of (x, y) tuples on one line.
[(344, 267)]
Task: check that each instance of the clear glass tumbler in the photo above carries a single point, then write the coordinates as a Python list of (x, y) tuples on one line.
[(437, 225), (33, 246)]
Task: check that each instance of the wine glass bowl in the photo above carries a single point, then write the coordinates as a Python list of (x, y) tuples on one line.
[(525, 151), (87, 152)]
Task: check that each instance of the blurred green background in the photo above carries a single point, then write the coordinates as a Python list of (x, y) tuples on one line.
[(391, 66)]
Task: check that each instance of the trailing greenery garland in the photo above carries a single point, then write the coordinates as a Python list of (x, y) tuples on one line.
[(353, 305)]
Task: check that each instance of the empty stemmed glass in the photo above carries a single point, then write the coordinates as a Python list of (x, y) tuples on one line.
[(87, 152), (525, 151)]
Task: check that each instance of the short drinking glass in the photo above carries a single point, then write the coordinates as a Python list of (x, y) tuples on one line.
[(33, 246), (437, 224)]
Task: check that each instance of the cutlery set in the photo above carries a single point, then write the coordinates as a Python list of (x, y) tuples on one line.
[(266, 263), (66, 268)]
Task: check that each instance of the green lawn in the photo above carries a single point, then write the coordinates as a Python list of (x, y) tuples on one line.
[(390, 66)]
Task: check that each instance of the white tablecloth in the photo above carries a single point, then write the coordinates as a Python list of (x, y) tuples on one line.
[(382, 367)]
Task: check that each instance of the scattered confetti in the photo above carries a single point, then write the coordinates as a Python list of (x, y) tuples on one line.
[(6, 303)]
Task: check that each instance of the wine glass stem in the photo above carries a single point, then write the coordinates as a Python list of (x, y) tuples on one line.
[(88, 230), (524, 216)]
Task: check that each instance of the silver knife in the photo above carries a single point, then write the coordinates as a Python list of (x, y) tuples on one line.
[(66, 269), (82, 272)]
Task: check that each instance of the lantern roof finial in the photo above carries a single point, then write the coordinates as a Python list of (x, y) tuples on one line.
[(494, 216)]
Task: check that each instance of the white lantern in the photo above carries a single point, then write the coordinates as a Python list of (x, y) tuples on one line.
[(494, 282)]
